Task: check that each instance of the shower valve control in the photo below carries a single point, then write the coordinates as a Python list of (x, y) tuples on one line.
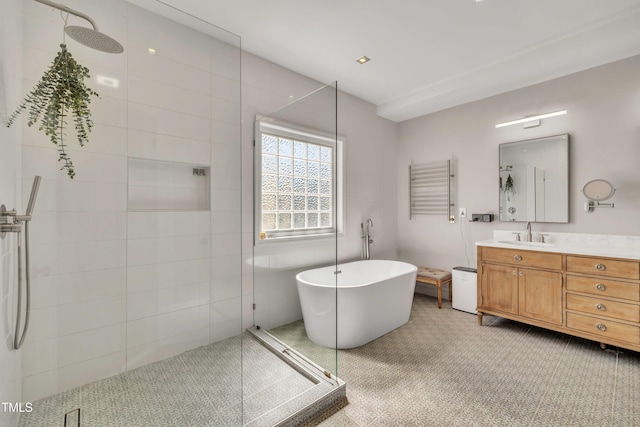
[(8, 225)]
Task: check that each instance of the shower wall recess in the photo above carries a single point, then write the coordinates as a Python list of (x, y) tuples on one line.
[(156, 185), (138, 257)]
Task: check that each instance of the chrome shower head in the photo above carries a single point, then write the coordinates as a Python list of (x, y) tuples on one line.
[(89, 37), (93, 39)]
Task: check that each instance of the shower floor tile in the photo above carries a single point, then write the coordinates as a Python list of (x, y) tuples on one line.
[(221, 384)]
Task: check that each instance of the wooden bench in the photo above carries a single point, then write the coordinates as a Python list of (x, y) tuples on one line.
[(436, 277)]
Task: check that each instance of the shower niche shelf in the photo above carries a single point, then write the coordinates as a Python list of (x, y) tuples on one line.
[(160, 185)]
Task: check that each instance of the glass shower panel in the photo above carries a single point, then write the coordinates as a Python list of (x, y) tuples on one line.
[(297, 217), (136, 262), (184, 192)]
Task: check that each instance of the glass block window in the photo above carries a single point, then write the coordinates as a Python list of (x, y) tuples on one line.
[(297, 174)]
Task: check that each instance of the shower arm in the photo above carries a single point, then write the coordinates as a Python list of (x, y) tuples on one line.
[(69, 10)]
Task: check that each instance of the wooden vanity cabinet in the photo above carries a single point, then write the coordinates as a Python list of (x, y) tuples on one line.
[(596, 298), (520, 285), (603, 299)]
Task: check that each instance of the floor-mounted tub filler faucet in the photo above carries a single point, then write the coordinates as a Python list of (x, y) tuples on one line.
[(366, 239)]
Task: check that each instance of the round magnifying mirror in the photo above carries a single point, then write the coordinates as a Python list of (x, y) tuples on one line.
[(598, 189)]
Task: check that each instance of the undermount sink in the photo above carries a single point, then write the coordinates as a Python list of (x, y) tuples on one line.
[(521, 243)]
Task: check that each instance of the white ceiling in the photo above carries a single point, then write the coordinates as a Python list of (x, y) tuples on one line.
[(428, 55)]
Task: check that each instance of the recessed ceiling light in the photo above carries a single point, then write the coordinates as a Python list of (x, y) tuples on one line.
[(363, 60), (151, 51), (476, 1)]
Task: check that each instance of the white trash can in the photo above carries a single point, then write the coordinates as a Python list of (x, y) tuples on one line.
[(465, 289)]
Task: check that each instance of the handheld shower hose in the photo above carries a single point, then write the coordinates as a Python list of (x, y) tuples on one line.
[(18, 337)]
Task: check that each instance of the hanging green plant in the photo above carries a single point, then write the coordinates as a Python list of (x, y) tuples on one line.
[(59, 93), (508, 186)]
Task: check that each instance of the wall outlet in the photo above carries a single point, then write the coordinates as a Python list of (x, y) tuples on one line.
[(462, 213)]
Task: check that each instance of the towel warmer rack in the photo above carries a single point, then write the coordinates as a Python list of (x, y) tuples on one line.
[(430, 189)]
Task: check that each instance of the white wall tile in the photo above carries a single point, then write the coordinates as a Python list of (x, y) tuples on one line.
[(52, 322), (155, 146), (170, 72), (90, 370), (151, 119), (166, 96), (167, 325), (54, 290), (158, 350), (225, 289), (224, 330), (226, 266), (168, 274), (167, 249), (152, 303), (170, 39), (90, 196), (224, 311), (226, 244), (45, 355), (88, 226), (85, 256)]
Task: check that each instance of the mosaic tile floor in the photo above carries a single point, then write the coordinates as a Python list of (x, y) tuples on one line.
[(442, 369), (201, 387)]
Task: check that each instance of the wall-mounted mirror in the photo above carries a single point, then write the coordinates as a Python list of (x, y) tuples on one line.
[(534, 180), (598, 190)]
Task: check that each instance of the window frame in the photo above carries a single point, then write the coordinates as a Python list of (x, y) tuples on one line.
[(312, 136)]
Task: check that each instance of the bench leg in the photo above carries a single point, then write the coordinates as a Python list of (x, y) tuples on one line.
[(439, 295)]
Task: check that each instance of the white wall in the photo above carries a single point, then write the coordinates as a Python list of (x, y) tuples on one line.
[(10, 47), (603, 121)]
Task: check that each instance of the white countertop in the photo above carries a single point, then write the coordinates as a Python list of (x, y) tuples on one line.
[(571, 243)]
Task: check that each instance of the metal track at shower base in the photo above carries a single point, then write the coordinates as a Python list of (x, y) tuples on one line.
[(327, 389)]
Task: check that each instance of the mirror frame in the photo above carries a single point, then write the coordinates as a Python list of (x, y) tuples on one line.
[(557, 163)]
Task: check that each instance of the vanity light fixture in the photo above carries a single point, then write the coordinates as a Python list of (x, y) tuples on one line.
[(532, 118), (363, 60)]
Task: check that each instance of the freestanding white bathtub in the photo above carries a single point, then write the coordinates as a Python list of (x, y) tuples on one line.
[(373, 297)]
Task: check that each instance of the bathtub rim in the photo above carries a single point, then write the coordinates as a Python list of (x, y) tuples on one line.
[(413, 269)]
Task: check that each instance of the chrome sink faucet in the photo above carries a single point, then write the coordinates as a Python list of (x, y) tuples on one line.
[(528, 238)]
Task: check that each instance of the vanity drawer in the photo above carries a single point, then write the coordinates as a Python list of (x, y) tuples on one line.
[(604, 328), (602, 307), (604, 267), (523, 258), (604, 287)]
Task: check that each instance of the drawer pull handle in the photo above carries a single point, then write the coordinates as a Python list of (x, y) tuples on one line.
[(601, 307), (601, 267), (600, 287), (517, 258), (601, 327)]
